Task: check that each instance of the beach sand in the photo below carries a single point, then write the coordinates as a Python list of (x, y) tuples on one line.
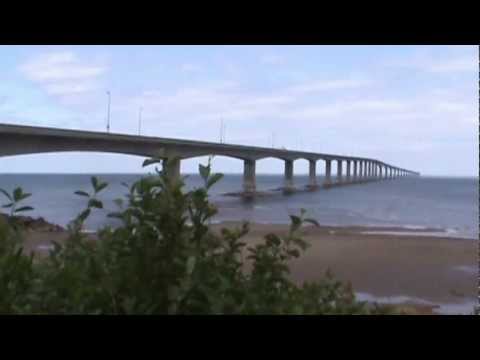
[(416, 269)]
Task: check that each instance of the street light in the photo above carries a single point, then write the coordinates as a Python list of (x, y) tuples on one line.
[(108, 112), (140, 121)]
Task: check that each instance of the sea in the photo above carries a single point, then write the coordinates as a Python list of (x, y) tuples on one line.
[(447, 204)]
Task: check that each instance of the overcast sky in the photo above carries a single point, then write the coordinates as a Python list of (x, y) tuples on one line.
[(412, 106)]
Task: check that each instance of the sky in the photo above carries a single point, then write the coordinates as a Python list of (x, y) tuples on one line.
[(415, 107)]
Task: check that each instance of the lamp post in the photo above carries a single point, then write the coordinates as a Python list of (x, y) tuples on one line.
[(108, 112), (140, 121)]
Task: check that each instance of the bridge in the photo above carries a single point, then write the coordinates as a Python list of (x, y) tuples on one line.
[(18, 140)]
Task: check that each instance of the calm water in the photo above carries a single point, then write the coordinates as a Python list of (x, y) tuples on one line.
[(447, 203)]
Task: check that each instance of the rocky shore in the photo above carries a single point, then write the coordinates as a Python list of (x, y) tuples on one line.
[(34, 224)]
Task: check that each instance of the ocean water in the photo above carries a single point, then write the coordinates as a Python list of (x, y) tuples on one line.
[(448, 204)]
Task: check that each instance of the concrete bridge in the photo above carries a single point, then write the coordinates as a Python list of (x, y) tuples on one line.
[(17, 140)]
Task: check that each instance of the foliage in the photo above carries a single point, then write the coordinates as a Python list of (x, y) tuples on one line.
[(14, 200), (164, 258)]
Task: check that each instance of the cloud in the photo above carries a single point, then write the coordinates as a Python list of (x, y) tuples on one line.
[(456, 62), (317, 86), (62, 73), (461, 64), (272, 59), (190, 68)]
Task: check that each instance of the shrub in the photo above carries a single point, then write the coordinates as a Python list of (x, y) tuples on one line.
[(164, 258)]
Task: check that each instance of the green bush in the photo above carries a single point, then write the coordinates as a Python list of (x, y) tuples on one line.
[(164, 259)]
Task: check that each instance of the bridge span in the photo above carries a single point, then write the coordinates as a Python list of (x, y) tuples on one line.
[(18, 140)]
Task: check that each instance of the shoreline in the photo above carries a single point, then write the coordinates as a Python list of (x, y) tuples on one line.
[(414, 268), (414, 271)]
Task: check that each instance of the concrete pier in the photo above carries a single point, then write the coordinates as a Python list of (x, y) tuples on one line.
[(312, 174), (348, 171), (328, 172), (339, 171), (288, 179), (249, 181), (355, 169)]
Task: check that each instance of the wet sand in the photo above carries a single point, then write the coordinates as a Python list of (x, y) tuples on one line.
[(437, 270), (425, 269)]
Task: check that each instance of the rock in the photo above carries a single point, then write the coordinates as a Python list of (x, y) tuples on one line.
[(32, 224)]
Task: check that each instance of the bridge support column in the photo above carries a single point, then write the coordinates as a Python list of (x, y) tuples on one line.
[(355, 169), (348, 170), (339, 171), (288, 180), (249, 182), (172, 168), (361, 171), (328, 172), (312, 174), (380, 172), (365, 174)]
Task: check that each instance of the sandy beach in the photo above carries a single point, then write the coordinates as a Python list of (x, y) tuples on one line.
[(436, 274)]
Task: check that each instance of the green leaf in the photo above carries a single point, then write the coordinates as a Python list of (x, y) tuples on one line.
[(24, 196), (19, 195), (84, 215), (101, 186), (296, 221), (151, 161), (6, 194), (273, 239), (191, 264), (115, 215), (24, 208), (214, 179), (204, 171), (82, 193), (94, 203), (94, 181)]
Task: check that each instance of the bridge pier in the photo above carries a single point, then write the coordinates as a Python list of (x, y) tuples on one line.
[(328, 172), (312, 174), (249, 182), (355, 174), (171, 167), (380, 172), (361, 169), (348, 171), (288, 179), (339, 171)]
